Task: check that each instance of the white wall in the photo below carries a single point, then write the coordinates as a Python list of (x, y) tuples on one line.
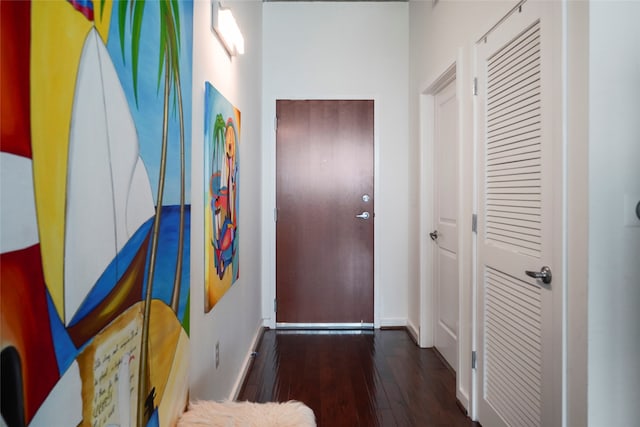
[(236, 319), (440, 36), (614, 248), (330, 50)]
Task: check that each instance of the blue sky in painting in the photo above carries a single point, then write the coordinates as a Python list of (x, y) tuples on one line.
[(148, 114)]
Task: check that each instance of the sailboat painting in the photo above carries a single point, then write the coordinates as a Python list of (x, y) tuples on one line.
[(221, 173), (95, 211)]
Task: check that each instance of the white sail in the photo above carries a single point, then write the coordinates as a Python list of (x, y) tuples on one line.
[(56, 410), (139, 200), (108, 191), (18, 221)]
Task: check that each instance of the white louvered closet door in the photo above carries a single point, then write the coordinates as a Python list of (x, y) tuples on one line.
[(519, 322)]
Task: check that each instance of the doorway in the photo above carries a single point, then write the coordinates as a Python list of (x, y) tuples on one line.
[(445, 233), (324, 213)]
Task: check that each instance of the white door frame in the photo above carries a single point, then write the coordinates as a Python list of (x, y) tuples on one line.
[(446, 282), (427, 192), (269, 203), (452, 70)]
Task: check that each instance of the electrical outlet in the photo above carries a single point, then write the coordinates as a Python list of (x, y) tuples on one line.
[(217, 354)]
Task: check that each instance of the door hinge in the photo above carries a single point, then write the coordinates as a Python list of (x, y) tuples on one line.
[(475, 86), (275, 305), (275, 123), (474, 360), (275, 214), (474, 223)]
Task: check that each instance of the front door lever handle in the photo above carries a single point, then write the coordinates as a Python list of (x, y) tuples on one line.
[(544, 274), (363, 215)]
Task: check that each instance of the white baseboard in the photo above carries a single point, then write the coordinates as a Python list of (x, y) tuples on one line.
[(413, 331), (393, 322), (463, 398), (247, 362)]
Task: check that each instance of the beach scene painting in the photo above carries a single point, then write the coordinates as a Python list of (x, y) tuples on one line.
[(222, 174), (95, 199)]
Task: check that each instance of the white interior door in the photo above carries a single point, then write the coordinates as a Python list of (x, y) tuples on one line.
[(520, 224), (445, 235)]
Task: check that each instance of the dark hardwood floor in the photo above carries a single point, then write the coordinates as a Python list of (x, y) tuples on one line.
[(361, 378)]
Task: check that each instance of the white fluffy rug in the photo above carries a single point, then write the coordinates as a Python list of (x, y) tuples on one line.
[(247, 414)]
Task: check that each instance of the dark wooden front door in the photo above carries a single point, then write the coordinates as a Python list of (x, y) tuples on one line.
[(324, 174)]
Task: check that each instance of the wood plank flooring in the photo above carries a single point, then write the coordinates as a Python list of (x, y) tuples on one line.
[(355, 378)]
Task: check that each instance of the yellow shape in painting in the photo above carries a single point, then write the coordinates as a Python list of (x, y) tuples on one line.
[(57, 36), (168, 357), (104, 402), (103, 20), (215, 287), (169, 363)]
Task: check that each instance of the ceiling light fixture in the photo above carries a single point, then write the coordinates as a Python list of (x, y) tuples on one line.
[(226, 28)]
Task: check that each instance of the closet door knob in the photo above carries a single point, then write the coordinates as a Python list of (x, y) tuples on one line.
[(544, 274)]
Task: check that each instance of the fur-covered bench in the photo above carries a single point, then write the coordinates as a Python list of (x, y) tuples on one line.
[(247, 414)]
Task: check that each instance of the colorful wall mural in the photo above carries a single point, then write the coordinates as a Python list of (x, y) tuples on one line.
[(95, 211), (221, 172)]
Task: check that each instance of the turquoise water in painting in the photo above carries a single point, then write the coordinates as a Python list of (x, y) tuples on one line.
[(166, 261), (167, 258)]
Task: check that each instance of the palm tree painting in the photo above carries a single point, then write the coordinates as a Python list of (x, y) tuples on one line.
[(162, 52), (221, 173), (95, 298)]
